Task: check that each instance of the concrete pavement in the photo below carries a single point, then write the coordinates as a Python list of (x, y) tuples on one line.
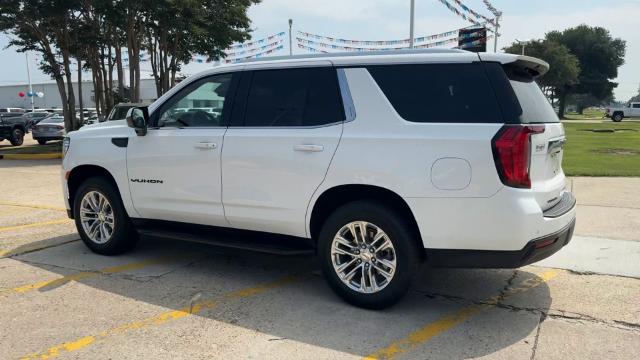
[(174, 300)]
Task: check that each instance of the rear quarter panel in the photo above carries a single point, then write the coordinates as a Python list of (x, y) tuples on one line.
[(382, 149)]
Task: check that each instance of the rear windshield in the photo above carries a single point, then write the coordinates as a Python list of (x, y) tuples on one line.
[(521, 99), (53, 120)]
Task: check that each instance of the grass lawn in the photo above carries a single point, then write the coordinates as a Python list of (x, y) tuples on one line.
[(605, 153), (588, 114), (51, 147)]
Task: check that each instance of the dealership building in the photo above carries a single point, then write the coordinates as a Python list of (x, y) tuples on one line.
[(9, 94)]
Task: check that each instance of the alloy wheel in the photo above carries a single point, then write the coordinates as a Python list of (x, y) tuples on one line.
[(363, 257)]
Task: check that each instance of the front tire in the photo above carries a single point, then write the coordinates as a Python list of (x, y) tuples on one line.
[(101, 219), (368, 254), (17, 137), (617, 117), (42, 142)]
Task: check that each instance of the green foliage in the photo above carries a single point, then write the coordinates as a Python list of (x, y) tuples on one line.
[(564, 66), (600, 56)]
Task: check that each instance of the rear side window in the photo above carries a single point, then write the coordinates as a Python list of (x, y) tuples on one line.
[(294, 97), (439, 93)]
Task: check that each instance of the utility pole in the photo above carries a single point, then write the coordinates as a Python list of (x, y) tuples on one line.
[(411, 22), (290, 48), (26, 56)]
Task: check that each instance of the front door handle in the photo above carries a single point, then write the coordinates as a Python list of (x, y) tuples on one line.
[(308, 148), (205, 145)]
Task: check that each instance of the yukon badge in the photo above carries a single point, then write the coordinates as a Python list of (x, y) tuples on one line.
[(147, 181)]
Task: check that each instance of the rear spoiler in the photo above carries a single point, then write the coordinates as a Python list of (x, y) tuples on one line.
[(533, 66)]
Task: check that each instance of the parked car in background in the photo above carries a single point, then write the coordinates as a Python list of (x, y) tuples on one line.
[(12, 110), (374, 162), (13, 127), (32, 118), (119, 112), (630, 110), (51, 128)]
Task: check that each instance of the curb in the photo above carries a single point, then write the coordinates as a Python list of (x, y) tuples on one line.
[(31, 156)]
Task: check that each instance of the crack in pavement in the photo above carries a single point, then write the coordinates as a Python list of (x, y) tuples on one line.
[(552, 313), (535, 342)]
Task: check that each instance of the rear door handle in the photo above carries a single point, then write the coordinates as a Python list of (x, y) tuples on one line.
[(205, 145), (308, 148)]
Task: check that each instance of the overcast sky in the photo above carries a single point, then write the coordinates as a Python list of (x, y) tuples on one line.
[(388, 19)]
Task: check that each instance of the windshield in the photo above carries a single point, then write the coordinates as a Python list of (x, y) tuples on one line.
[(119, 112)]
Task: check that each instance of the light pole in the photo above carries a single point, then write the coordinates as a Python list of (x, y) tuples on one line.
[(26, 56), (290, 48), (411, 21), (522, 43), (495, 35)]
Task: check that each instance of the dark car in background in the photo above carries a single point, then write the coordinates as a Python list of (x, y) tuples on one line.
[(13, 127), (32, 118)]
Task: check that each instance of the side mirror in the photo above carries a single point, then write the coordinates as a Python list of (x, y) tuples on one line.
[(138, 119)]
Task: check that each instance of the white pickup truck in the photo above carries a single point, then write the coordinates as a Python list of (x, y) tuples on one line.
[(631, 109)]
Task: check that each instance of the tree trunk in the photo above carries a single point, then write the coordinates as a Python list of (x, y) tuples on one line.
[(71, 99), (120, 71), (562, 96), (80, 91), (110, 103)]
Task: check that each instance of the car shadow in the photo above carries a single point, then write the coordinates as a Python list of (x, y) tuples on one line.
[(305, 310)]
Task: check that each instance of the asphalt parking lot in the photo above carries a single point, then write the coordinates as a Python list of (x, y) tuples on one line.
[(172, 300)]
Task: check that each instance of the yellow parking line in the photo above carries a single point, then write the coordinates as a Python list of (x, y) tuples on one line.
[(43, 207), (87, 274), (449, 321), (156, 320), (25, 226)]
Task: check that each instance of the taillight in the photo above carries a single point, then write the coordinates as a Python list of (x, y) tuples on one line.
[(512, 153)]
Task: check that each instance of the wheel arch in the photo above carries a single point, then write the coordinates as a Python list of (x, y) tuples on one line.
[(336, 196), (82, 172)]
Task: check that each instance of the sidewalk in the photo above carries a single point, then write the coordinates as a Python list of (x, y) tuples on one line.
[(607, 207)]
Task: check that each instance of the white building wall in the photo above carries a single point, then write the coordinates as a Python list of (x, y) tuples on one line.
[(9, 95)]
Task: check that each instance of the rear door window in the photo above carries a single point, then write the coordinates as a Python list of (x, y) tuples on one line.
[(293, 97), (439, 93)]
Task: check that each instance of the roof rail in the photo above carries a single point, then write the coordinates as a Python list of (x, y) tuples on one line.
[(346, 54)]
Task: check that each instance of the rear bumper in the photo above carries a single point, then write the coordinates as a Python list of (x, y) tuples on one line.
[(534, 251)]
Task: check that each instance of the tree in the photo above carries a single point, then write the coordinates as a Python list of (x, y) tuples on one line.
[(45, 27), (176, 30), (564, 66), (600, 56)]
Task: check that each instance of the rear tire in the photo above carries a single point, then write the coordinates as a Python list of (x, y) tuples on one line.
[(370, 262), (42, 142), (617, 117), (101, 219), (17, 137)]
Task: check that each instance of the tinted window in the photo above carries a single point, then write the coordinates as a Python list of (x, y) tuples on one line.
[(535, 106), (636, 106), (439, 93), (119, 112), (294, 97), (185, 108)]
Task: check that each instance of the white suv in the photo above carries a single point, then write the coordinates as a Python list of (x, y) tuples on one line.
[(373, 162)]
